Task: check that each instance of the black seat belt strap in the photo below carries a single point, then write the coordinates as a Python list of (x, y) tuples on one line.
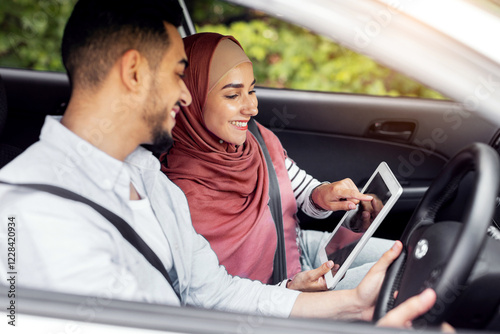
[(279, 266), (121, 225)]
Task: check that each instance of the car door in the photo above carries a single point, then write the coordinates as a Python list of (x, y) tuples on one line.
[(335, 135)]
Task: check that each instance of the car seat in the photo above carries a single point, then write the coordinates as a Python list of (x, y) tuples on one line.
[(7, 152)]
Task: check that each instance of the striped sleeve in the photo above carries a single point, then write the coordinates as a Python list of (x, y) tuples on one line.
[(303, 184)]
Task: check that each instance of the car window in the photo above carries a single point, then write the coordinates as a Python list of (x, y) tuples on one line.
[(284, 55), (288, 56)]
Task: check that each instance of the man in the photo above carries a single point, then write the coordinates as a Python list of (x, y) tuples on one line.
[(125, 61)]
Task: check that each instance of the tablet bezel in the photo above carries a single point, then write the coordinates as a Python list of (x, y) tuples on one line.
[(396, 190)]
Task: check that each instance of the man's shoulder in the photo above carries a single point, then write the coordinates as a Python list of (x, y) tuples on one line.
[(37, 163)]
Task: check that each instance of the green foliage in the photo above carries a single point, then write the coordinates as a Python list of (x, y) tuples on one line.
[(31, 31), (284, 55), (287, 56), (215, 12)]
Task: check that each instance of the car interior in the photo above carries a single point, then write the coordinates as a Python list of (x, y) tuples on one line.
[(31, 95), (332, 136)]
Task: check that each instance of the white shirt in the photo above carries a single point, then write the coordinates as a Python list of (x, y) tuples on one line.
[(66, 246)]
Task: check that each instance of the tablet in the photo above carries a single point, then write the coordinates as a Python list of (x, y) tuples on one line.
[(344, 245)]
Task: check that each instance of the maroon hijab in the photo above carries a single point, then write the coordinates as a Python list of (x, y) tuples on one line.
[(226, 186)]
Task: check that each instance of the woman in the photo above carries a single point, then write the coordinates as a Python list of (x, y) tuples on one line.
[(221, 169)]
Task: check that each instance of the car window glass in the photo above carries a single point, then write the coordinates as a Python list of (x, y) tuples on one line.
[(288, 56), (31, 33), (284, 55)]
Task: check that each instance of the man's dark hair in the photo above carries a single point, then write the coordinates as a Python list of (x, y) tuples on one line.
[(98, 32)]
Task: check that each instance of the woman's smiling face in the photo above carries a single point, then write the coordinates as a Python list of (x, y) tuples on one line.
[(231, 104)]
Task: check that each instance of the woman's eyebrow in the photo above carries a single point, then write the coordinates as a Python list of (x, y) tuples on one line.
[(233, 85), (237, 85)]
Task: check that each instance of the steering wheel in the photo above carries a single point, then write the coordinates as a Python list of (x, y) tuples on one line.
[(441, 255)]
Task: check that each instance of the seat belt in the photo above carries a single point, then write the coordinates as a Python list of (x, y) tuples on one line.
[(279, 266), (121, 225)]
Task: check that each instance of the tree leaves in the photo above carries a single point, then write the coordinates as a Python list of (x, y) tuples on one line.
[(287, 56), (31, 33), (283, 55)]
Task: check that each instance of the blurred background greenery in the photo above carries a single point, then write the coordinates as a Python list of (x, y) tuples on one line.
[(284, 55), (31, 31)]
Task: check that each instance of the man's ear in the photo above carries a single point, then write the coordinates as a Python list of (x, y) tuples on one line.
[(133, 70)]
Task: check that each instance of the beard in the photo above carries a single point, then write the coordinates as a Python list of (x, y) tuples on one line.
[(162, 140), (155, 119)]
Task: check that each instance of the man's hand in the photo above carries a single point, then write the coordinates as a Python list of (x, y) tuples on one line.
[(368, 290), (355, 304), (340, 195), (403, 315), (312, 280), (359, 303)]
